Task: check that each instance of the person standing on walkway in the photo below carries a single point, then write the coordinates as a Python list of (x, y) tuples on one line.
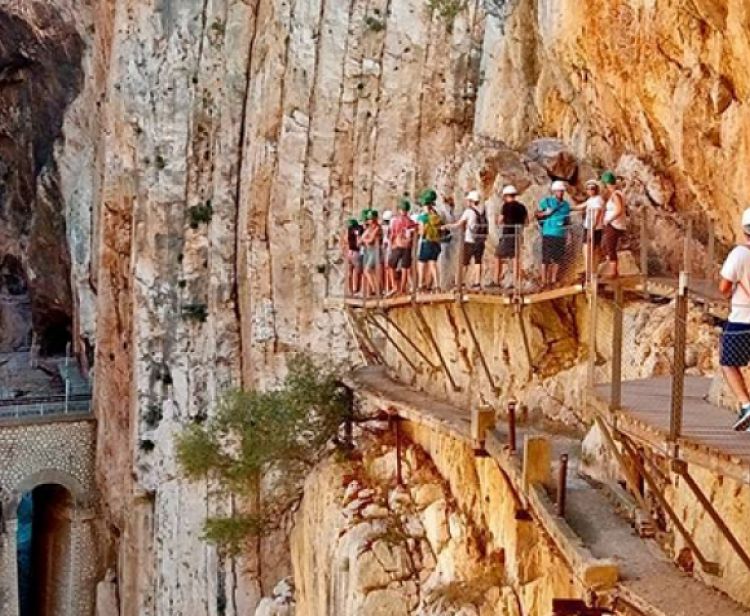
[(350, 248), (385, 253), (401, 232), (473, 221), (447, 261), (615, 223), (554, 218), (371, 241), (511, 221), (735, 340), (593, 226), (430, 224)]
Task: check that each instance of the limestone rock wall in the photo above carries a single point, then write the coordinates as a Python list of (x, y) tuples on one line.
[(665, 80)]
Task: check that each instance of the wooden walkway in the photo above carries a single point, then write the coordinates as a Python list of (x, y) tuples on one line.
[(707, 436)]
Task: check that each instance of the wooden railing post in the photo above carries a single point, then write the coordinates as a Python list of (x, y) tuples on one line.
[(616, 385), (678, 376), (593, 308)]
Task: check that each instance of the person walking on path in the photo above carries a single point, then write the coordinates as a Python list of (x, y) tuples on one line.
[(447, 260), (554, 217), (401, 233), (735, 340), (350, 248), (371, 241), (385, 253), (430, 224), (511, 221), (473, 221), (615, 223), (593, 226)]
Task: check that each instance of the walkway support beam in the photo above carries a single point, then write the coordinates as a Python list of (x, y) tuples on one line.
[(616, 387), (408, 339), (478, 348), (678, 376), (390, 339), (428, 333)]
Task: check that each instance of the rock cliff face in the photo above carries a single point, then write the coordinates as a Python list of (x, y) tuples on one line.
[(173, 174)]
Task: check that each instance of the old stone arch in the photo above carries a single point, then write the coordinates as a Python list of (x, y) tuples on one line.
[(51, 465)]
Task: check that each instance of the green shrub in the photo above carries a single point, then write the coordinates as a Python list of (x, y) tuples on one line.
[(200, 214), (282, 433), (447, 10)]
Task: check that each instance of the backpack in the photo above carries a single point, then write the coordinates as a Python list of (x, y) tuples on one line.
[(482, 228), (432, 227)]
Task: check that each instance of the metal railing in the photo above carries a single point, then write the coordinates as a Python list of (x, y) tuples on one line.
[(57, 408)]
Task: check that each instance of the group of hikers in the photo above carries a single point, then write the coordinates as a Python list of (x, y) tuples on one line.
[(379, 249)]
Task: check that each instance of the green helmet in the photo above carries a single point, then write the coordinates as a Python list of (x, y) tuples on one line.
[(609, 178), (428, 196), (352, 222), (372, 214), (363, 215), (404, 205)]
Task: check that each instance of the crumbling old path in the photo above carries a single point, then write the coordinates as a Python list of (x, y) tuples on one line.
[(591, 534)]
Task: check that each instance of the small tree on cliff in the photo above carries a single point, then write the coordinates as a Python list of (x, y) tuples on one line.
[(260, 446)]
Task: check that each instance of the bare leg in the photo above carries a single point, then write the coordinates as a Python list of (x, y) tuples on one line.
[(554, 269), (737, 383)]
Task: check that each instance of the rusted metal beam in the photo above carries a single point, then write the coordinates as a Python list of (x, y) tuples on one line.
[(409, 340), (576, 607), (709, 567), (562, 485), (362, 334), (512, 426), (678, 371), (428, 333), (477, 346), (680, 467), (390, 339)]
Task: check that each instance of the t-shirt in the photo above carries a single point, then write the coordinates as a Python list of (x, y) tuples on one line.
[(736, 269), (471, 218), (400, 231), (619, 223), (432, 223), (594, 205), (555, 224), (514, 215)]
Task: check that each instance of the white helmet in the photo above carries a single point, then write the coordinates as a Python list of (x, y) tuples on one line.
[(474, 196), (746, 218), (592, 184), (510, 190), (558, 185), (387, 215)]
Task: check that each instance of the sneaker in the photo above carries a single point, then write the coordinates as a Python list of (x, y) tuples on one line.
[(743, 421)]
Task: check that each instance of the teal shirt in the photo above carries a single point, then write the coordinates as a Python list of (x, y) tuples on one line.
[(554, 225)]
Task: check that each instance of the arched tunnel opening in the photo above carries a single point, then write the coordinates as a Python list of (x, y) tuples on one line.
[(55, 336), (44, 550)]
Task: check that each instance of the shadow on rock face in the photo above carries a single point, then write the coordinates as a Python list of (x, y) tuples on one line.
[(40, 75)]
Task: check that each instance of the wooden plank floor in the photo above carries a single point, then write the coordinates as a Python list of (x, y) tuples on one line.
[(707, 429)]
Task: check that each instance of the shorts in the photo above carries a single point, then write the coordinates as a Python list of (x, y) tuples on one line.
[(597, 236), (371, 257), (735, 345), (429, 251), (553, 249), (506, 247), (400, 258), (473, 251), (611, 241), (354, 258)]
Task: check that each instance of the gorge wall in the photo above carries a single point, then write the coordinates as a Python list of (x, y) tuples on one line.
[(175, 172)]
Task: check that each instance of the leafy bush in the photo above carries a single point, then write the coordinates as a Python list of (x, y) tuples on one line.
[(279, 434), (199, 214), (447, 10)]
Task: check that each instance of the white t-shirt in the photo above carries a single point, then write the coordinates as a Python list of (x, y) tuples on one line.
[(736, 269), (593, 206), (470, 216)]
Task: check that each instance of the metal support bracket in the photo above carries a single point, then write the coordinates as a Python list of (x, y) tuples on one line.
[(428, 333), (389, 338), (408, 339), (478, 348)]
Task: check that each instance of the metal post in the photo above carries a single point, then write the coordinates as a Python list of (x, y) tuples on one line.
[(678, 376), (349, 420), (460, 264), (67, 394), (399, 477), (517, 241), (562, 481), (593, 308), (512, 425), (644, 246), (616, 385), (414, 255)]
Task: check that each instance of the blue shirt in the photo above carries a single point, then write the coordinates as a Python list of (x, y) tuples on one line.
[(554, 225)]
